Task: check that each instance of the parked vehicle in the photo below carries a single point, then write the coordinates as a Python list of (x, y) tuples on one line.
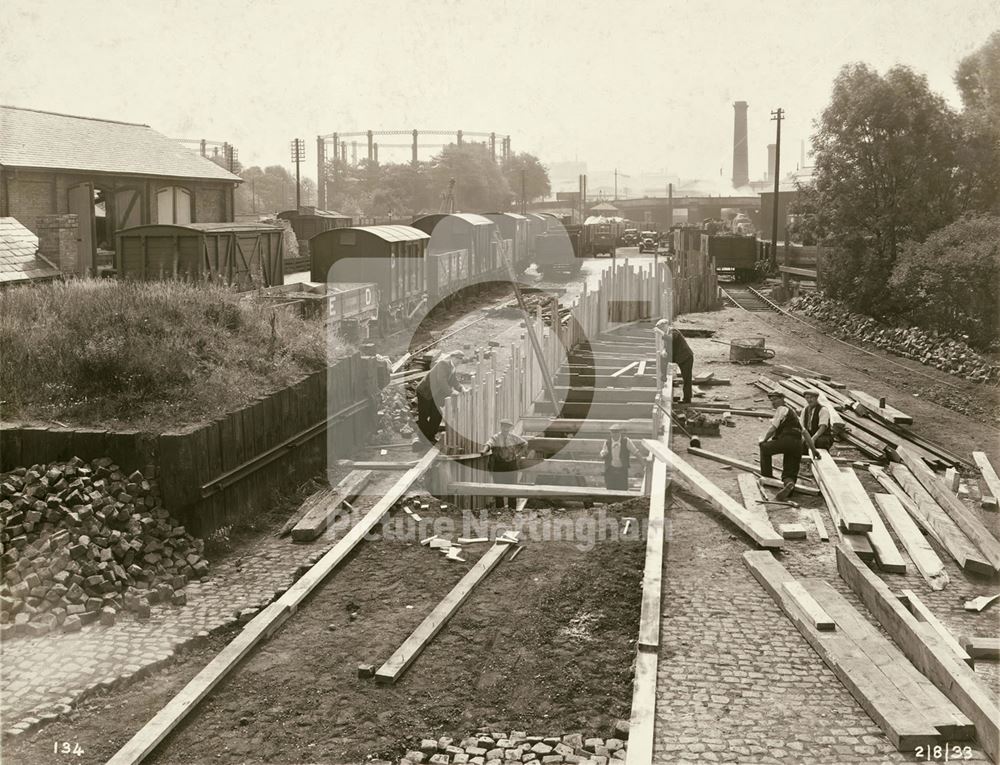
[(648, 242)]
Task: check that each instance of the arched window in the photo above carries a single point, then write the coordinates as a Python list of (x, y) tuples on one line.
[(173, 205)]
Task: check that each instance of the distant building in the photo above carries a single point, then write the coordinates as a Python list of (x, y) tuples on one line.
[(56, 164)]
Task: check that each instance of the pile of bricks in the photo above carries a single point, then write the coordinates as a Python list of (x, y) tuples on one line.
[(395, 419), (490, 747), (83, 542)]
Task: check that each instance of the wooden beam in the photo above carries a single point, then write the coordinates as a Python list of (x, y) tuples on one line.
[(555, 445), (888, 707), (631, 427), (649, 614), (753, 497), (261, 626), (607, 395), (476, 489), (642, 722), (404, 656), (733, 462), (381, 465), (989, 475), (819, 618), (758, 530), (314, 522), (921, 553), (596, 409), (939, 524), (888, 413), (850, 506), (964, 518), (858, 542), (924, 614), (928, 652), (886, 554), (979, 604), (979, 647), (824, 536), (625, 369), (586, 468)]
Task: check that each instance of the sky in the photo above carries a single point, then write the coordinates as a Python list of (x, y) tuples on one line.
[(640, 85)]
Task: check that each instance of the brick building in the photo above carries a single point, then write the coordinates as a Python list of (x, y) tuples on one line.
[(110, 175)]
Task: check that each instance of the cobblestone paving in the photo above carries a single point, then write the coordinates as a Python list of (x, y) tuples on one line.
[(736, 681), (43, 677)]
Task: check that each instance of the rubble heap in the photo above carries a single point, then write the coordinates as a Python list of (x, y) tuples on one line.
[(490, 747), (395, 420), (84, 541), (931, 348)]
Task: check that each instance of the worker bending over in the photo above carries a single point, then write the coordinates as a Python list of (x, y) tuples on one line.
[(677, 350), (506, 449), (785, 436), (617, 453), (817, 420), (432, 391)]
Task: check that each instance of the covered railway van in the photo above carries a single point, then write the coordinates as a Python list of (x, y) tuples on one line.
[(308, 221), (393, 257), (460, 250), (246, 255), (513, 227)]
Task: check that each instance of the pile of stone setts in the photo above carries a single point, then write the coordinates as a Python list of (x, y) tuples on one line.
[(501, 748), (83, 542), (395, 419), (944, 353)]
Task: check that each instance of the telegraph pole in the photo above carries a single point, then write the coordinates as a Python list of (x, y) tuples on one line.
[(776, 116), (298, 155)]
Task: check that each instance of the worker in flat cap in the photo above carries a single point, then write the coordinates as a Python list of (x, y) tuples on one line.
[(676, 349), (506, 449), (617, 453), (785, 436), (817, 419), (433, 390)]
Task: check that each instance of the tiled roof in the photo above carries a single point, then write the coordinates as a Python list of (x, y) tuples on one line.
[(30, 138), (19, 261)]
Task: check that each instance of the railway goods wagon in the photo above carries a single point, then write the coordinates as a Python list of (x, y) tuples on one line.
[(513, 227), (733, 254), (351, 307), (309, 221), (393, 257), (244, 255), (558, 250), (602, 235), (452, 233), (538, 224)]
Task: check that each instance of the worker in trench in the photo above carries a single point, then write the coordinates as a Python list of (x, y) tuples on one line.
[(506, 449), (817, 420), (677, 350), (432, 391), (617, 453), (786, 437)]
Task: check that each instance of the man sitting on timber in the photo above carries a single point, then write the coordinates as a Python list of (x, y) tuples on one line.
[(505, 449), (785, 436), (678, 352), (432, 391), (817, 421), (617, 454)]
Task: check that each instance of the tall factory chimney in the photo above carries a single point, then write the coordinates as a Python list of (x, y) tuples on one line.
[(741, 164), (771, 151)]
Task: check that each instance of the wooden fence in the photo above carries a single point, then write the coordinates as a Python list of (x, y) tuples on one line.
[(228, 470)]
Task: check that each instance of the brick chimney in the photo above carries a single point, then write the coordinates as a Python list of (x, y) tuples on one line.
[(741, 162), (58, 243)]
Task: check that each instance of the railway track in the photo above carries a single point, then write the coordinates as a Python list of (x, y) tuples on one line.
[(749, 299)]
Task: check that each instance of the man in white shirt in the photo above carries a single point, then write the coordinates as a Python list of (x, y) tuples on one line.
[(617, 453), (817, 420), (505, 449)]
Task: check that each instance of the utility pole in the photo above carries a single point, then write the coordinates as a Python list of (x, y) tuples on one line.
[(298, 155), (776, 116)]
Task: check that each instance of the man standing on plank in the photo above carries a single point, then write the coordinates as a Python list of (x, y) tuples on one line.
[(617, 454), (432, 391), (785, 436), (817, 420), (679, 352), (505, 449)]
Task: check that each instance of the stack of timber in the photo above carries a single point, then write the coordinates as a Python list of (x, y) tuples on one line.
[(909, 709), (851, 519), (928, 651), (694, 284)]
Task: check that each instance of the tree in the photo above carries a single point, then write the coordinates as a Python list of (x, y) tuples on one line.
[(479, 184), (884, 174), (535, 176), (270, 190), (978, 81)]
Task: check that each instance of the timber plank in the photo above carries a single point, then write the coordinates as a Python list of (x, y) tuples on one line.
[(479, 489), (583, 425), (924, 614), (964, 518), (643, 719), (939, 524), (404, 656), (757, 529), (923, 556), (819, 618), (927, 651), (886, 554), (315, 521), (750, 468), (873, 691), (850, 506), (979, 647), (859, 543), (887, 412), (989, 475), (824, 536), (753, 497), (652, 575)]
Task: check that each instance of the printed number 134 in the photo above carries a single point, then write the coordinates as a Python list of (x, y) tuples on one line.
[(66, 747)]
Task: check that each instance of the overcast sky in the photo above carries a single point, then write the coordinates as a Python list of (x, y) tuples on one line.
[(641, 85)]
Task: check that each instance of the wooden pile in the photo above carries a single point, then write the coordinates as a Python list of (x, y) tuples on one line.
[(909, 709), (83, 542)]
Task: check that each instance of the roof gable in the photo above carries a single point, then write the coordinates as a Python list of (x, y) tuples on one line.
[(19, 261), (36, 139)]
